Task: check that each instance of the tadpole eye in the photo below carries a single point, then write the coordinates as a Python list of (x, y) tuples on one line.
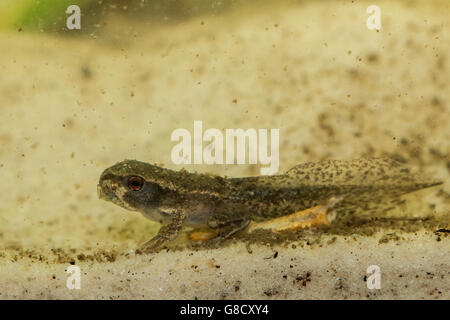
[(135, 183)]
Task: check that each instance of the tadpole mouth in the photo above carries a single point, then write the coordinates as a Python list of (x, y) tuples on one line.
[(105, 191), (99, 191)]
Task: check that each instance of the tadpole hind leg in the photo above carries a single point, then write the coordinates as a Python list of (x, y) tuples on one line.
[(319, 215), (233, 228), (229, 230)]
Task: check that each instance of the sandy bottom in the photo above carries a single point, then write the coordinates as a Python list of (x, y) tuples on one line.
[(70, 107)]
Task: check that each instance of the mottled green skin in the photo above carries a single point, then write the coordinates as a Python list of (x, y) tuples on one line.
[(367, 186)]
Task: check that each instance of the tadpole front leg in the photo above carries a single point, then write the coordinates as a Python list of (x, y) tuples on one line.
[(165, 234)]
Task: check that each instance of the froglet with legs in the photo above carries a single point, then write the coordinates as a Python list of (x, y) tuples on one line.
[(309, 194)]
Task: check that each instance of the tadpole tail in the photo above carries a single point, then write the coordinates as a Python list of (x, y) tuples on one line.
[(368, 187)]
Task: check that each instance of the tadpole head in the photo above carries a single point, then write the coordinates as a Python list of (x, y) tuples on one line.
[(125, 185)]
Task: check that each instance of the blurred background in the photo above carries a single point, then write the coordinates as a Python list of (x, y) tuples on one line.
[(49, 15)]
